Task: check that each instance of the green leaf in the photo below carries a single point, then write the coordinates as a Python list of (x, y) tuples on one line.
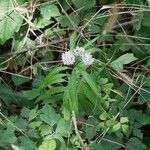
[(49, 116), (91, 128), (63, 127), (116, 127), (73, 39), (123, 60), (7, 136), (10, 97), (124, 128), (90, 43), (53, 77), (110, 122), (26, 143), (92, 84), (48, 93), (93, 104), (31, 94), (101, 125), (10, 20), (35, 124), (124, 120), (70, 97), (33, 113), (103, 116), (62, 145), (54, 33), (25, 112), (41, 22), (135, 143), (84, 4), (49, 10), (48, 145), (72, 21), (45, 130), (144, 95)]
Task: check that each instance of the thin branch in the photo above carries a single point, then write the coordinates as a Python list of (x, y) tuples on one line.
[(77, 132)]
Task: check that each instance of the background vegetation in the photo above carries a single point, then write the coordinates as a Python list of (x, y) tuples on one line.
[(46, 105)]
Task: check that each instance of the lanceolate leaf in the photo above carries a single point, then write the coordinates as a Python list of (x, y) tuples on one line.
[(53, 77), (54, 90), (92, 84), (73, 40), (70, 94)]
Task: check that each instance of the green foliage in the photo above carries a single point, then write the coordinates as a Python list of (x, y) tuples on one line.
[(39, 94), (48, 145), (10, 20)]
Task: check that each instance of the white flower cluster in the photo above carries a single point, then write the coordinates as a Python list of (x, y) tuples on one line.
[(68, 58)]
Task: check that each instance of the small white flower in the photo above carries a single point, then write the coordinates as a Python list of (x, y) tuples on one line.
[(78, 51), (87, 59), (68, 58)]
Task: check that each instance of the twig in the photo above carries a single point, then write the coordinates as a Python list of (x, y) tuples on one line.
[(116, 143), (77, 132), (63, 40)]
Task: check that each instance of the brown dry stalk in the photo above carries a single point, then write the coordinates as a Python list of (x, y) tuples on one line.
[(77, 131), (112, 19)]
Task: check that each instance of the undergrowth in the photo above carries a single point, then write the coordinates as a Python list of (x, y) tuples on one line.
[(74, 74)]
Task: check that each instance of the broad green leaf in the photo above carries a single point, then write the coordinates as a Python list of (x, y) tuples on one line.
[(31, 94), (124, 128), (25, 112), (63, 127), (33, 113), (48, 145), (91, 130), (49, 115), (7, 136), (10, 20), (19, 80), (62, 143), (45, 130), (35, 124), (24, 43), (25, 143), (144, 95), (11, 97), (110, 123), (32, 133), (72, 21), (84, 4), (101, 125), (54, 33), (41, 22), (103, 116), (136, 144), (116, 127), (49, 10), (124, 120), (137, 131), (123, 60)]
